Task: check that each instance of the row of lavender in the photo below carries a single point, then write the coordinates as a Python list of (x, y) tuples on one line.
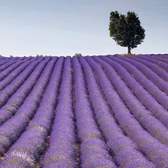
[(90, 112)]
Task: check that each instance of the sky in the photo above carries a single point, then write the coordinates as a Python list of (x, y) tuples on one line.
[(66, 27)]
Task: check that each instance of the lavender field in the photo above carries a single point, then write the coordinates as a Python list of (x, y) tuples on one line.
[(84, 112)]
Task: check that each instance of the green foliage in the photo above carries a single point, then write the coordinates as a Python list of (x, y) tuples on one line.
[(126, 30)]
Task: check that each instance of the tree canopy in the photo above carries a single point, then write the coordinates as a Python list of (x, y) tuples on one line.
[(126, 30)]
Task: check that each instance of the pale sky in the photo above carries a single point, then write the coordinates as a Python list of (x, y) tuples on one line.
[(66, 27)]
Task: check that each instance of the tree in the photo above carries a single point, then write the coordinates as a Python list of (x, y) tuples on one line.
[(78, 54), (126, 30)]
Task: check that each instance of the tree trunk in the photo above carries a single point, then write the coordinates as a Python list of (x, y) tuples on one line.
[(129, 50)]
